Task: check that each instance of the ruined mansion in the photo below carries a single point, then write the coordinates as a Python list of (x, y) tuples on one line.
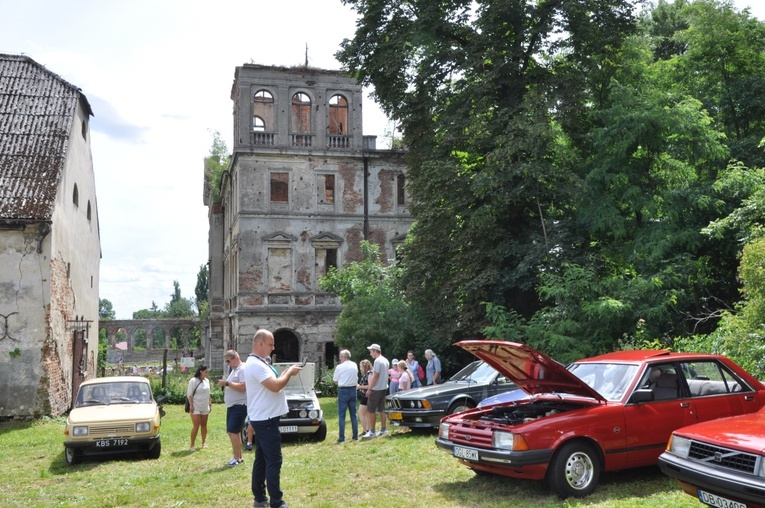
[(304, 187)]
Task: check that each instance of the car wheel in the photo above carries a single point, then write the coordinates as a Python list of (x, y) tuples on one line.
[(458, 407), (321, 434), (244, 432), (574, 470), (72, 456), (155, 452)]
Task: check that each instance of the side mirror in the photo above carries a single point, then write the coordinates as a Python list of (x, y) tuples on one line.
[(642, 395)]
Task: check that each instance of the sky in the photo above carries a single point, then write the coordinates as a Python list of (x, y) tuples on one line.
[(158, 75)]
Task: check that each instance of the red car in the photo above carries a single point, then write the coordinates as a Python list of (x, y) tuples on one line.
[(721, 462), (606, 413)]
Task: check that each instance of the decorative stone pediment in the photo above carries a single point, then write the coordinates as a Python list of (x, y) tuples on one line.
[(326, 241), (279, 238)]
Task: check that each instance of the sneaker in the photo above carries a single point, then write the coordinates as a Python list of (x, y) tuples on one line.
[(261, 504), (368, 434), (249, 447), (382, 432), (340, 441), (192, 449), (235, 462)]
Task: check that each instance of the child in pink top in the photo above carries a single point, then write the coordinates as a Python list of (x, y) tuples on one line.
[(405, 377)]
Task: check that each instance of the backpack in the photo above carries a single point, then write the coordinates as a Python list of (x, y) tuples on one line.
[(420, 373)]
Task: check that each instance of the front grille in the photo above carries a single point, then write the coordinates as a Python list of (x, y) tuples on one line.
[(480, 437), (110, 430), (723, 457), (395, 404)]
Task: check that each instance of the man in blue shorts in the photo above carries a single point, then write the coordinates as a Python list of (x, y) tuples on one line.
[(235, 398)]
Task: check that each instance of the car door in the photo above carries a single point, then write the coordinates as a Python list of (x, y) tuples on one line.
[(649, 424), (716, 391)]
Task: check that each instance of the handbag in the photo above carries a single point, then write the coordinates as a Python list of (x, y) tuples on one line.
[(187, 407)]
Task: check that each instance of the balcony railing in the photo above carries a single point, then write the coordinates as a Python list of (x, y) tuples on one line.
[(301, 139), (339, 142), (263, 138)]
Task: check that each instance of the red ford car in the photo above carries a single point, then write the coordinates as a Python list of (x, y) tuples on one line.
[(721, 462), (606, 413)]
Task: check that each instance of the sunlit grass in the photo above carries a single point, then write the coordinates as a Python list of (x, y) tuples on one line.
[(403, 469)]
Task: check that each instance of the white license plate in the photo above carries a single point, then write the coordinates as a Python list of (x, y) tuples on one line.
[(108, 443), (288, 429), (465, 453), (717, 501)]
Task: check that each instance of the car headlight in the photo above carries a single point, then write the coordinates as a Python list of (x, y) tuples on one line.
[(443, 430), (502, 440), (303, 413), (142, 427), (80, 431), (508, 441), (313, 414), (679, 446)]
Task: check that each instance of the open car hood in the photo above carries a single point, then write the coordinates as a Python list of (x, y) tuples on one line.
[(301, 384), (533, 372)]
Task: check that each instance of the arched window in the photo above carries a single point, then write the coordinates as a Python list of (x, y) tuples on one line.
[(262, 111), (76, 196), (338, 115), (301, 113)]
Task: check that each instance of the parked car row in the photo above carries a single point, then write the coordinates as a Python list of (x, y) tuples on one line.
[(613, 412), (516, 412)]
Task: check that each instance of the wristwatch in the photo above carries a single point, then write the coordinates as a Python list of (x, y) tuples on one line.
[(226, 383)]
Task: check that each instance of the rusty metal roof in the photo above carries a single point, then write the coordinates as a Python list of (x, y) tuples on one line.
[(37, 110)]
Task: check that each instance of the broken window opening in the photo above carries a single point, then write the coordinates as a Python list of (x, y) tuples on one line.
[(338, 115), (327, 189), (301, 113), (401, 190), (280, 187), (262, 111)]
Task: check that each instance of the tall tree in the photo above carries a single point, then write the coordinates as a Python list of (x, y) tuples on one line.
[(475, 87), (201, 289), (105, 309)]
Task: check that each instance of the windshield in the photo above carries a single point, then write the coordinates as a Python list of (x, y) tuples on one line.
[(476, 372), (114, 393), (610, 380)]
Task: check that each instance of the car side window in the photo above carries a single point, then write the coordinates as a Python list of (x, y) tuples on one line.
[(663, 382), (706, 378)]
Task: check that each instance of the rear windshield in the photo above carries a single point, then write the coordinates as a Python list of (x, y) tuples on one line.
[(128, 392)]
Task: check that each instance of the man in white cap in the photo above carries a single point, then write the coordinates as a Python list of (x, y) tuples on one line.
[(378, 387)]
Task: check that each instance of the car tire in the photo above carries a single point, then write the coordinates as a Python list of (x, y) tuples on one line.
[(155, 452), (321, 433), (574, 470), (73, 457), (459, 407), (244, 432)]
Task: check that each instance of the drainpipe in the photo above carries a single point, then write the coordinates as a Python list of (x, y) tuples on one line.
[(366, 197), (44, 230)]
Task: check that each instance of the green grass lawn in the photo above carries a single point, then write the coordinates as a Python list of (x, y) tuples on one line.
[(402, 469)]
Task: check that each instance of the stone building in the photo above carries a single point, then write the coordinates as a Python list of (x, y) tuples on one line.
[(50, 250), (303, 189)]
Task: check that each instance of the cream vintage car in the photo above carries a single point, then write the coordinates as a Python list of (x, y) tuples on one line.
[(113, 415)]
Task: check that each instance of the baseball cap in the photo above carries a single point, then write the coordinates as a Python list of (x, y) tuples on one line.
[(376, 347)]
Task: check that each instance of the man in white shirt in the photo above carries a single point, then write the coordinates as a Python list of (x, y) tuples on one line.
[(347, 377), (266, 403)]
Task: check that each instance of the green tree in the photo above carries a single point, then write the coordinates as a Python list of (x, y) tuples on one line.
[(374, 310), (151, 313), (216, 163), (201, 289), (105, 309), (489, 96)]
